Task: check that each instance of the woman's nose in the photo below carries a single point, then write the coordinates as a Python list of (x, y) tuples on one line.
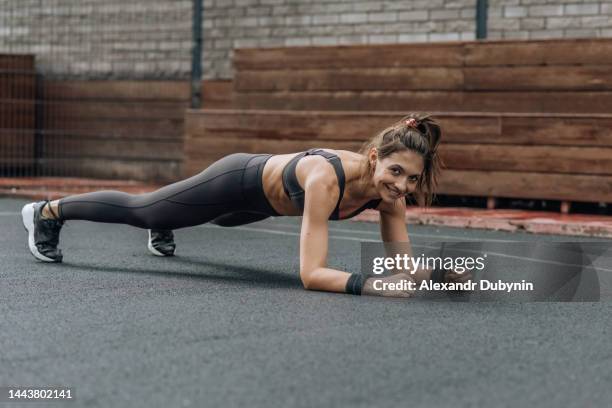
[(403, 189)]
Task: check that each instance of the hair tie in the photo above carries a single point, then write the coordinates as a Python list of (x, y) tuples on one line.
[(411, 123)]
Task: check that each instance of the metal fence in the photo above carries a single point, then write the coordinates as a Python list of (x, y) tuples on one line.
[(95, 88)]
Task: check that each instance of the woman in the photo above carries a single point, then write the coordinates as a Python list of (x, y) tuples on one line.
[(320, 184)]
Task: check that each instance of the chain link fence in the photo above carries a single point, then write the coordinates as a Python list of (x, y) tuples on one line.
[(95, 88)]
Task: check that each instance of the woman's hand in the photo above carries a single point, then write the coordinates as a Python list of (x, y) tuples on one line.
[(443, 276), (456, 277), (397, 285)]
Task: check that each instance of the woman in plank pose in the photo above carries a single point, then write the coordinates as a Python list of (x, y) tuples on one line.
[(318, 184)]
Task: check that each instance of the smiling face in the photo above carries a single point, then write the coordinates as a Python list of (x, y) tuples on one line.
[(397, 175), (403, 159)]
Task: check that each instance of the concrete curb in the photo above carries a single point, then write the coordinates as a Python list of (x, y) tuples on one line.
[(537, 222)]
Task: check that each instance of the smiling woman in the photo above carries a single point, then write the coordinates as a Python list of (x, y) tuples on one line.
[(320, 185), (417, 136)]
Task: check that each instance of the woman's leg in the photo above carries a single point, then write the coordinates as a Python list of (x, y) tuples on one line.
[(215, 191), (238, 218)]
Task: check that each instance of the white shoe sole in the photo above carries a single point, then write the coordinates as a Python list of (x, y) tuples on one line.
[(27, 216), (153, 250)]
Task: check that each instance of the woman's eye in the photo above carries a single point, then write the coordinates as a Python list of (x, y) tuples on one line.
[(396, 171), (413, 179)]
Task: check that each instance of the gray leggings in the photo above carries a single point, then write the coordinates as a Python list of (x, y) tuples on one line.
[(228, 193)]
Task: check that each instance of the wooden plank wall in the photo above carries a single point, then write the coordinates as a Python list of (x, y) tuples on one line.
[(539, 156), (218, 94), (120, 129), (555, 76), (115, 129), (17, 109)]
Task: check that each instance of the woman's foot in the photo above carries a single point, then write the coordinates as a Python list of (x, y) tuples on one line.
[(161, 242), (43, 233)]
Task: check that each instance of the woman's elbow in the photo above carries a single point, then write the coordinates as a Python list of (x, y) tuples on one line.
[(306, 277)]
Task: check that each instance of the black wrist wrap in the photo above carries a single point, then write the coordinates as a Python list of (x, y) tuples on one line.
[(355, 284)]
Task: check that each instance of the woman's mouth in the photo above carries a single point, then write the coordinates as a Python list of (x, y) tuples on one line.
[(394, 192)]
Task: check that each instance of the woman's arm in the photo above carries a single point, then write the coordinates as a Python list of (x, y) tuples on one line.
[(393, 231), (394, 234), (321, 195), (393, 222)]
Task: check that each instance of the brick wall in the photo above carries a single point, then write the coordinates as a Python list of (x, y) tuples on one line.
[(152, 38), (100, 38), (541, 19), (279, 23)]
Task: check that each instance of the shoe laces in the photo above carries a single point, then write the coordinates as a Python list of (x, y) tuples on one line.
[(55, 224), (165, 235)]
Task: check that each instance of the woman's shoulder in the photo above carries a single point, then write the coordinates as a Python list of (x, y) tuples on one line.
[(309, 166), (344, 154), (341, 153)]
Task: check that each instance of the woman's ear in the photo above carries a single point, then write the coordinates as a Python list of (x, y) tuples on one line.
[(373, 154), (373, 157)]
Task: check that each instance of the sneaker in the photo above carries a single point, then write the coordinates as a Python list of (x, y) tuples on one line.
[(161, 242), (43, 233)]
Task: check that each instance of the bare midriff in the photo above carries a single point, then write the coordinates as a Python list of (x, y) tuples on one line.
[(273, 182)]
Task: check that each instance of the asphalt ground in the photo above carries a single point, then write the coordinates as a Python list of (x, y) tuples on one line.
[(226, 323)]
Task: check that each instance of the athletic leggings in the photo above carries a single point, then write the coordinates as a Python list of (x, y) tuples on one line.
[(228, 193)]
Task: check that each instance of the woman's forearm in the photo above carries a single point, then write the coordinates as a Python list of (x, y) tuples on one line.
[(332, 280), (325, 279)]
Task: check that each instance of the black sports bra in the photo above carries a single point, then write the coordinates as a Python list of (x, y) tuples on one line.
[(296, 194)]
